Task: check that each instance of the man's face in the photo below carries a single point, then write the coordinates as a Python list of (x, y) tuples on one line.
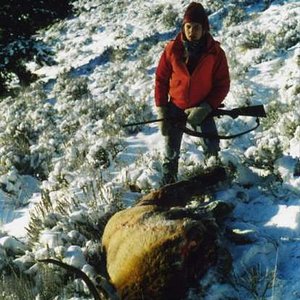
[(193, 31)]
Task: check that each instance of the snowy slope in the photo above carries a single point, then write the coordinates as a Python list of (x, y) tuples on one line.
[(66, 131)]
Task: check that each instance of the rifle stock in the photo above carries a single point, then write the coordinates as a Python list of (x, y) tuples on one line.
[(251, 111)]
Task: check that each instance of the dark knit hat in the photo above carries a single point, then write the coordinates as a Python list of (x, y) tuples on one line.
[(195, 13)]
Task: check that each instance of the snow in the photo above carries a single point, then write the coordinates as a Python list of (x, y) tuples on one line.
[(11, 244), (89, 160), (74, 257), (15, 204), (287, 216)]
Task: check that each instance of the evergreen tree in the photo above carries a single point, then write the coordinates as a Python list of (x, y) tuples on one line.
[(19, 20)]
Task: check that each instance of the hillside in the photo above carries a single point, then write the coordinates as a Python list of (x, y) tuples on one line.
[(67, 164)]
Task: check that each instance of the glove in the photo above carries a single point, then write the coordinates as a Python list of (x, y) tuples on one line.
[(165, 125), (196, 115)]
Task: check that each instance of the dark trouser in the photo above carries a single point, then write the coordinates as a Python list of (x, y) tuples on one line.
[(173, 143)]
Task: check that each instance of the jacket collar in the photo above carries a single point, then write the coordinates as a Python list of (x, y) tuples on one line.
[(212, 46)]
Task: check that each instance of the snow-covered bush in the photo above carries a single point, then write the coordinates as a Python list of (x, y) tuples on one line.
[(145, 45), (116, 54), (170, 17), (41, 282), (146, 174), (238, 70), (68, 88), (80, 6), (274, 110), (28, 123), (88, 201), (266, 152), (212, 6), (251, 40), (288, 124), (130, 112), (286, 35), (155, 12), (284, 117), (254, 282), (16, 287), (235, 15), (15, 151), (68, 225)]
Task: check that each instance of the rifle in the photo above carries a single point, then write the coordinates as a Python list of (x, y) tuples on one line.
[(250, 111)]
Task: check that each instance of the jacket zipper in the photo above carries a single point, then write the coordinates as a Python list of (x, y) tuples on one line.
[(191, 75), (189, 90)]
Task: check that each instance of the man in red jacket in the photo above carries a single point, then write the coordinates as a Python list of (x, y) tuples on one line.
[(192, 79)]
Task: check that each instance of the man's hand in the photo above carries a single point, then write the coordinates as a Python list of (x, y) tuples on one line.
[(165, 125), (196, 115)]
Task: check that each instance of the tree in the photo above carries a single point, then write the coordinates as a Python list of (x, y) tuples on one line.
[(19, 20)]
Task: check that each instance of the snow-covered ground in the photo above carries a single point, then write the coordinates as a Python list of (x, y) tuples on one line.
[(66, 132)]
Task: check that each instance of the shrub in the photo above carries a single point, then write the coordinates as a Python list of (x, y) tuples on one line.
[(68, 88), (127, 109), (286, 34), (274, 110), (51, 282), (92, 199), (267, 151), (56, 283), (289, 126), (164, 14), (252, 40), (156, 11), (238, 70), (117, 54), (212, 6), (29, 139), (255, 281), (13, 286), (283, 116), (170, 17), (80, 6), (235, 16)]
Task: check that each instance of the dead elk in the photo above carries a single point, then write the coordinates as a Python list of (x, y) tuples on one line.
[(158, 248)]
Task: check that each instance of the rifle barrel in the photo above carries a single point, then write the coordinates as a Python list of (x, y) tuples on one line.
[(143, 122)]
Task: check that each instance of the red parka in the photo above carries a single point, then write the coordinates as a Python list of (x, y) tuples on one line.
[(209, 81)]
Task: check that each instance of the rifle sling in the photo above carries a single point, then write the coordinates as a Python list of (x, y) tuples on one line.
[(216, 136)]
